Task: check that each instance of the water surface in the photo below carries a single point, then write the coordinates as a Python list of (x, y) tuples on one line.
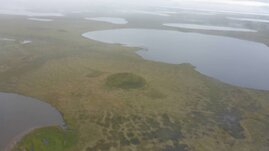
[(207, 27), (7, 39), (238, 62), (113, 20), (21, 12), (40, 19), (26, 42), (144, 12), (198, 13), (255, 20), (19, 114)]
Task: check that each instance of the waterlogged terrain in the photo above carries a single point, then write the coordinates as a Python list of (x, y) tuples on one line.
[(20, 114), (231, 60), (112, 99)]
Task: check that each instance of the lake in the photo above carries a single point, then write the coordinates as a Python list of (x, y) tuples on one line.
[(112, 20), (19, 114), (234, 61), (41, 19), (22, 12), (254, 20), (207, 27)]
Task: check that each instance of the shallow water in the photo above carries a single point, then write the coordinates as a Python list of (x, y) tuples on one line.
[(238, 62), (40, 19), (144, 12), (113, 20), (207, 27), (26, 42), (29, 13), (255, 20), (198, 13), (19, 114), (7, 39)]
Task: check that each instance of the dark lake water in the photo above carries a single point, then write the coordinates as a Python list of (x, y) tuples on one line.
[(19, 114), (234, 61)]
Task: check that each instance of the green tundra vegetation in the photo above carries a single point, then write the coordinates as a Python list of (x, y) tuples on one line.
[(125, 81), (114, 100), (48, 139)]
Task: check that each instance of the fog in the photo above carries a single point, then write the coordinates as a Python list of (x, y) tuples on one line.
[(245, 6)]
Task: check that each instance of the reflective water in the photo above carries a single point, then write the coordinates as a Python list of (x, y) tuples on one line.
[(40, 19), (255, 20), (7, 39), (238, 62), (113, 20), (20, 12), (19, 114), (208, 27), (26, 42)]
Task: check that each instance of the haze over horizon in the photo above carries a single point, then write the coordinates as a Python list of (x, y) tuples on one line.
[(246, 6)]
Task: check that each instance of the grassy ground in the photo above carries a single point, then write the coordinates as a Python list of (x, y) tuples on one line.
[(125, 81), (48, 139), (174, 108)]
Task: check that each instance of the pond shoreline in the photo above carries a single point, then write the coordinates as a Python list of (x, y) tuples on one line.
[(20, 115), (20, 136)]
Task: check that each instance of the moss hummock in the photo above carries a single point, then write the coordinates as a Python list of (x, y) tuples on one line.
[(125, 81)]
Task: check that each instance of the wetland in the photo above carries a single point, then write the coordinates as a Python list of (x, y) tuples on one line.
[(140, 86)]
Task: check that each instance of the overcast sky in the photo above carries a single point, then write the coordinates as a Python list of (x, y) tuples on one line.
[(240, 5)]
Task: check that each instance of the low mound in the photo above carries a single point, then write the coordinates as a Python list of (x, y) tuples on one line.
[(125, 81)]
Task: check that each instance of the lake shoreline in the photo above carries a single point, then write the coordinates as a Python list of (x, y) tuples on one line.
[(10, 146), (222, 64), (21, 115)]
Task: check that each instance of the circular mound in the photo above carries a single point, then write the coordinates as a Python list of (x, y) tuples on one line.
[(125, 81)]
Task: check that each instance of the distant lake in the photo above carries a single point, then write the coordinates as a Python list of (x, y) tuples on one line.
[(255, 20), (112, 20), (40, 19), (207, 27), (22, 12), (144, 12), (234, 61), (7, 39), (26, 42), (19, 114), (23, 42)]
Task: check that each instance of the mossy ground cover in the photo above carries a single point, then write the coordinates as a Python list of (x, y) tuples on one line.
[(125, 81), (174, 108), (47, 139)]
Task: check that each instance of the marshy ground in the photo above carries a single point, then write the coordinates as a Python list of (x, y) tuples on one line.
[(112, 99), (125, 81)]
